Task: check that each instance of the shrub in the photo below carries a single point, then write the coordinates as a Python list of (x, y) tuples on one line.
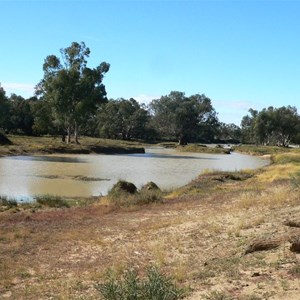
[(51, 201), (150, 186), (125, 193), (5, 201), (123, 186), (4, 140), (147, 197), (156, 286)]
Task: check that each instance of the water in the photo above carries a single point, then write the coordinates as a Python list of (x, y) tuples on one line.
[(23, 177)]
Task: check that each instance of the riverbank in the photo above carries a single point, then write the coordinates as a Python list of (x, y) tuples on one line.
[(208, 235), (25, 145)]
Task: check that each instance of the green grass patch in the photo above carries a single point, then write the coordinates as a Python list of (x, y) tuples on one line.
[(125, 193), (141, 197), (199, 148), (260, 150), (285, 158), (155, 286), (8, 202), (51, 201)]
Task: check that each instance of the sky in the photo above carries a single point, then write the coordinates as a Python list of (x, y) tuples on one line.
[(241, 54)]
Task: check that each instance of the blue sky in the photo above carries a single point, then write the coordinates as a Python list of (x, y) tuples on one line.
[(240, 54)]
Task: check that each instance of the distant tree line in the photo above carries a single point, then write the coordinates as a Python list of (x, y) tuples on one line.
[(71, 99), (271, 126)]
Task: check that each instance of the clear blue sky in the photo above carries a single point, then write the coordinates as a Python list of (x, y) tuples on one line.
[(241, 54)]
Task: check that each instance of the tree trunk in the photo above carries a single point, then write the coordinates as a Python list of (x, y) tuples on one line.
[(76, 133), (182, 141), (69, 135)]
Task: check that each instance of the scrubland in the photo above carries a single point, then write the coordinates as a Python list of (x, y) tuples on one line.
[(226, 235)]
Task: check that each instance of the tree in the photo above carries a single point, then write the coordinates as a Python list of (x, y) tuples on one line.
[(272, 126), (73, 90), (123, 119), (4, 109), (20, 115), (43, 121), (176, 116), (247, 126), (229, 132), (286, 124)]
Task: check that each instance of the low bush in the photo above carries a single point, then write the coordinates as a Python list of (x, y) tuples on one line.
[(155, 286), (5, 201), (285, 158), (150, 186), (123, 186), (125, 193), (4, 140), (51, 201)]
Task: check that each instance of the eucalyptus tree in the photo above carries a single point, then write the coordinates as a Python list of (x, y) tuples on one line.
[(20, 115), (4, 108), (229, 132), (176, 116), (123, 119), (277, 126), (271, 126), (73, 90)]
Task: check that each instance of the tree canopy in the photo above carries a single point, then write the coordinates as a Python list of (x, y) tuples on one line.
[(72, 96), (122, 119), (73, 90), (271, 126), (176, 116)]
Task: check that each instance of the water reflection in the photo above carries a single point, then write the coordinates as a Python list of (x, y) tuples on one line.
[(92, 175)]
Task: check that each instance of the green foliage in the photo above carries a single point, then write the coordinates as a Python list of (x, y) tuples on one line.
[(176, 116), (4, 109), (123, 119), (156, 286), (229, 133), (271, 126), (44, 122), (200, 149), (73, 90), (125, 193), (51, 201), (260, 150), (5, 201), (4, 140), (285, 158), (123, 186)]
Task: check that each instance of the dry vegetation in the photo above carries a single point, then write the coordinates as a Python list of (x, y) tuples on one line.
[(25, 145), (223, 236)]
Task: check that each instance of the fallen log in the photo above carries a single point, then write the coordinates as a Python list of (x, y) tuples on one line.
[(263, 245), (291, 223)]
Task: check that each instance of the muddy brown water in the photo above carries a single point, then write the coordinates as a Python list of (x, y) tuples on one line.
[(23, 177)]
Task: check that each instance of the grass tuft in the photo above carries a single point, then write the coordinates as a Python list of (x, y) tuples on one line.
[(8, 202), (155, 286), (51, 201), (125, 194), (216, 295)]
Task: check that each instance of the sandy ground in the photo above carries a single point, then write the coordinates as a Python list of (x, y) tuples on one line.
[(199, 236)]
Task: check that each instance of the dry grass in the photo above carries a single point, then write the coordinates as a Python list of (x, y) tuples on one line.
[(26, 145), (198, 236)]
